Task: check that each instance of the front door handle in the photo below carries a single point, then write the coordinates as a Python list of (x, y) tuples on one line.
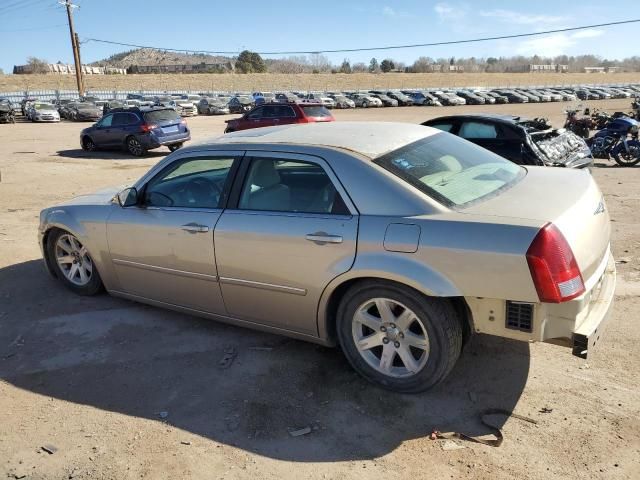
[(322, 238), (195, 228)]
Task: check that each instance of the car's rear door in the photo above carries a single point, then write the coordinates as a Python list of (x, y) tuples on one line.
[(289, 229), (162, 249)]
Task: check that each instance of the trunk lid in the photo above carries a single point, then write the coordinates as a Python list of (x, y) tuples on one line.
[(570, 199)]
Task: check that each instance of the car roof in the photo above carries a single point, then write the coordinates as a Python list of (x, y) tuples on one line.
[(512, 119), (370, 139)]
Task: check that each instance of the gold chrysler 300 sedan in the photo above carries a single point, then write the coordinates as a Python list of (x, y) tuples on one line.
[(397, 242)]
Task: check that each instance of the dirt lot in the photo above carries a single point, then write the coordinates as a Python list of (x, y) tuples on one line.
[(323, 81), (124, 391)]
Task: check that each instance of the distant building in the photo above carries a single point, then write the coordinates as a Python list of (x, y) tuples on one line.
[(546, 68), (183, 68), (594, 70), (66, 69), (456, 68)]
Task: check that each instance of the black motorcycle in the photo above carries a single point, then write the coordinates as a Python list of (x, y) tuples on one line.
[(618, 140)]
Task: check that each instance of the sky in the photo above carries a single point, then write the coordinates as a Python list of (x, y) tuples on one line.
[(39, 27)]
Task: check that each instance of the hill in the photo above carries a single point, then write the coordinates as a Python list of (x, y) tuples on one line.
[(150, 56)]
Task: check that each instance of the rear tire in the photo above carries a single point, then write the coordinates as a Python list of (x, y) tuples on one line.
[(410, 347), (175, 146), (134, 147)]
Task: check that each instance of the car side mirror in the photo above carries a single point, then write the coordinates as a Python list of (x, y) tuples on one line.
[(127, 197)]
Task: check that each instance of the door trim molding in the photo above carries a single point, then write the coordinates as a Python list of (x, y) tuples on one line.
[(170, 271), (262, 285)]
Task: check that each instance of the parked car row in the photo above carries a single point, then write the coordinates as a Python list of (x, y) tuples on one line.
[(186, 105)]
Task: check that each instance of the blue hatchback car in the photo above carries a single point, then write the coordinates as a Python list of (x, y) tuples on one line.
[(137, 130)]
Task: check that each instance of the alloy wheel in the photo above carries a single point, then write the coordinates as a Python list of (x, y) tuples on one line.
[(134, 146), (390, 337), (73, 260)]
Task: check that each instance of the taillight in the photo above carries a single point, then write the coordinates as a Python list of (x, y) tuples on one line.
[(183, 121), (553, 267), (146, 128)]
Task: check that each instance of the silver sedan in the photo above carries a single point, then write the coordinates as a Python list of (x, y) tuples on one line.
[(396, 242)]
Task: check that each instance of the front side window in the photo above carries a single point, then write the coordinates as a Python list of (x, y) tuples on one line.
[(256, 114), (106, 121), (453, 171), (289, 186), (191, 183), (445, 127)]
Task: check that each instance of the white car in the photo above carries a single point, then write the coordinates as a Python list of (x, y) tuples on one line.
[(43, 112), (320, 98), (365, 101), (342, 101)]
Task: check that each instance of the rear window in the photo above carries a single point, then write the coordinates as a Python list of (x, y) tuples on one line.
[(161, 116), (452, 171), (316, 111)]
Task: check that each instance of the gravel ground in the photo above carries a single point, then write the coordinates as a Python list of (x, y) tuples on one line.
[(118, 390)]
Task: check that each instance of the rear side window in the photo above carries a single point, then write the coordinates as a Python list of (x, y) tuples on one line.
[(316, 111), (478, 130), (120, 119), (161, 116), (278, 111)]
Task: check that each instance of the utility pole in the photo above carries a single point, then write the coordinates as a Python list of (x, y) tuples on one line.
[(75, 47)]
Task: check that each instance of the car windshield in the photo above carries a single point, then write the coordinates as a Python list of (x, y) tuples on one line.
[(86, 106), (316, 111), (43, 106), (161, 116), (451, 170)]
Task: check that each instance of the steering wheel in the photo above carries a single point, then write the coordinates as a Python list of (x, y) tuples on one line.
[(201, 190)]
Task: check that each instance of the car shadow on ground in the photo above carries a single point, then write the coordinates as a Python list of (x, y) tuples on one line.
[(232, 385), (78, 153)]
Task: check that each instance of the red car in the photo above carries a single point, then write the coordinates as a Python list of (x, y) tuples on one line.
[(273, 114)]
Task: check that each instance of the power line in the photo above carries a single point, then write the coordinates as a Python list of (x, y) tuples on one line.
[(368, 49), (48, 27), (17, 6)]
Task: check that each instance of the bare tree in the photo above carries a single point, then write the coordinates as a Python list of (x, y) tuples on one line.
[(38, 65)]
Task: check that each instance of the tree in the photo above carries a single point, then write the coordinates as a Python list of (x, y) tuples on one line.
[(387, 65), (250, 62), (373, 65), (319, 63), (345, 67), (359, 67), (38, 65)]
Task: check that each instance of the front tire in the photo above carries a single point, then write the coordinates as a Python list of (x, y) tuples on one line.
[(88, 145), (398, 338), (627, 159), (72, 264)]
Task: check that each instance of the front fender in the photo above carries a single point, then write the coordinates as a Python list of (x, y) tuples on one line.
[(88, 224), (620, 147)]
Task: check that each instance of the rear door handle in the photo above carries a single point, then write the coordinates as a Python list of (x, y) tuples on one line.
[(195, 228), (321, 238)]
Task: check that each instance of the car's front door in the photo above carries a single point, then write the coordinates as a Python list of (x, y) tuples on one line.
[(101, 134), (253, 119), (162, 249), (289, 229)]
